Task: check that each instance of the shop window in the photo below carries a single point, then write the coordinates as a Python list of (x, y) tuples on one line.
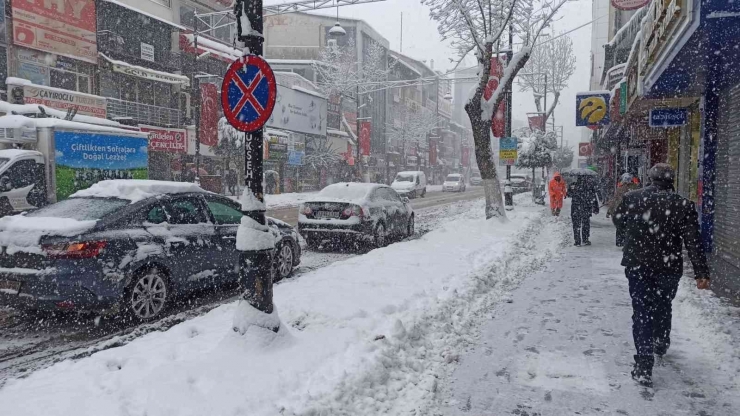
[(146, 92), (64, 80), (84, 84), (108, 84)]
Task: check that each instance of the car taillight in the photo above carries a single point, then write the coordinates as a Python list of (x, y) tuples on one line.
[(353, 211), (83, 250), (305, 210)]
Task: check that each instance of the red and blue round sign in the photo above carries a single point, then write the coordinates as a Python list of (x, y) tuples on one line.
[(248, 93)]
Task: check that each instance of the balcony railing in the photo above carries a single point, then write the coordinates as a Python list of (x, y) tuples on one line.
[(143, 113)]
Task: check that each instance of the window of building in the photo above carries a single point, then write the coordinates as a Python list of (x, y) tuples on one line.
[(63, 79)]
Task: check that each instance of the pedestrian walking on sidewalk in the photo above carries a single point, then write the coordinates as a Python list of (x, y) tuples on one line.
[(627, 183), (557, 191), (584, 203), (657, 223)]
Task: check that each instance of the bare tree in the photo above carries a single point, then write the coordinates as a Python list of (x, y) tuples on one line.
[(341, 73), (478, 26), (554, 58), (413, 128)]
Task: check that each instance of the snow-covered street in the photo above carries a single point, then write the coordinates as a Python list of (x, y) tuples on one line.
[(563, 346), (373, 334)]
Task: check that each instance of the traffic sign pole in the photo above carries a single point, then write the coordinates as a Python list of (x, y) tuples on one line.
[(255, 266)]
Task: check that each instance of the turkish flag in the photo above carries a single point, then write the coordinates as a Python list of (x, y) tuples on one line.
[(432, 152), (365, 129), (209, 105), (498, 122)]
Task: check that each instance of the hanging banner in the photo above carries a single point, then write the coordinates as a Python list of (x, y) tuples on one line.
[(465, 156), (299, 111), (432, 152), (592, 109), (498, 122), (209, 106), (365, 130), (536, 121), (57, 26)]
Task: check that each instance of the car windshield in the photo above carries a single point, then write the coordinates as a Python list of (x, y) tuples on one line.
[(405, 178), (350, 192), (452, 178), (80, 208)]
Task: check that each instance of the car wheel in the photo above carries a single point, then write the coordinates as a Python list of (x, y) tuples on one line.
[(380, 237), (148, 295), (410, 227), (284, 261)]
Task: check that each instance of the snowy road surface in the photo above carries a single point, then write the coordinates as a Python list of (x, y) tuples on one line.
[(27, 344), (369, 335), (563, 346)]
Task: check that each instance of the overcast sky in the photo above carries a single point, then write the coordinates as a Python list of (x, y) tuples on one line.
[(422, 41)]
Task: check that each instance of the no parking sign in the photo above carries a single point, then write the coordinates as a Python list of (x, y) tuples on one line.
[(248, 93)]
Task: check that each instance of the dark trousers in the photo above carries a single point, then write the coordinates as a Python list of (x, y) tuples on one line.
[(620, 238), (652, 293), (581, 227)]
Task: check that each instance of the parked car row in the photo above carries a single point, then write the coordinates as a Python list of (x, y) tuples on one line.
[(127, 246)]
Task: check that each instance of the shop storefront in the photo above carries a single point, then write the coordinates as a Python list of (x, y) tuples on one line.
[(166, 150)]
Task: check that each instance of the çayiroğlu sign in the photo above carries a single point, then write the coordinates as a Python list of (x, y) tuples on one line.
[(63, 100), (63, 27)]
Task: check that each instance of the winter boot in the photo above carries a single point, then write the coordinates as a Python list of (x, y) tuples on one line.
[(642, 372), (660, 347)]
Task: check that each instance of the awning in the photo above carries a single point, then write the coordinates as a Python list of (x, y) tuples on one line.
[(146, 73), (217, 50)]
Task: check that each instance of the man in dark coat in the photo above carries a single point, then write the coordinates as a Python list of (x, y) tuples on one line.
[(657, 223), (583, 203)]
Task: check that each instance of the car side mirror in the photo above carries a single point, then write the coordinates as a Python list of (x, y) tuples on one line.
[(5, 184)]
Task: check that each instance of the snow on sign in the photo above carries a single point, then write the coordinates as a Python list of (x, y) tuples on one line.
[(248, 93), (629, 4)]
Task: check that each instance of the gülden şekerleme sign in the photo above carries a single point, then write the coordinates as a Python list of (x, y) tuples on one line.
[(668, 117), (507, 151), (166, 140), (86, 104)]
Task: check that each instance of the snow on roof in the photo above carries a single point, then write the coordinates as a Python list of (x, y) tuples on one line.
[(307, 91), (12, 153), (18, 121), (136, 189), (25, 82), (8, 108), (593, 92), (220, 48), (346, 191), (126, 6), (337, 133), (631, 28)]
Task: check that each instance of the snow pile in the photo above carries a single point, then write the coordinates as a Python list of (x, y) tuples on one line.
[(252, 235), (366, 336), (135, 189), (22, 231)]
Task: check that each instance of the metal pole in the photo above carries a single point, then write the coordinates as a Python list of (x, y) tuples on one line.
[(255, 266), (508, 192), (358, 162), (544, 125), (196, 99)]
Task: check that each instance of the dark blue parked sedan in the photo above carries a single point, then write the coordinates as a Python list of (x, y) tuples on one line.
[(126, 253)]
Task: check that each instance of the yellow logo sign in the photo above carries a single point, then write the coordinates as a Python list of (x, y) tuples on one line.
[(592, 109)]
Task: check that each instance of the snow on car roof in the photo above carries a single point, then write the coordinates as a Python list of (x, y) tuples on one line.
[(408, 172), (11, 153), (347, 191), (135, 189)]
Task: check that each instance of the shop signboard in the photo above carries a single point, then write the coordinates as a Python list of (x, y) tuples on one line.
[(585, 149), (295, 158), (166, 140), (365, 130), (86, 104), (37, 74), (507, 151), (622, 98), (668, 117), (209, 114), (582, 163), (57, 26), (299, 111), (83, 159), (592, 109)]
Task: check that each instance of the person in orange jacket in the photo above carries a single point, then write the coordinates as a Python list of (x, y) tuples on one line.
[(557, 190)]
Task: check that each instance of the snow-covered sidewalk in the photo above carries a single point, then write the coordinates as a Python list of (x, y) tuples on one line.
[(367, 336), (564, 347)]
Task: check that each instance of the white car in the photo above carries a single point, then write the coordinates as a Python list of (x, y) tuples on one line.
[(362, 212), (454, 183), (410, 184)]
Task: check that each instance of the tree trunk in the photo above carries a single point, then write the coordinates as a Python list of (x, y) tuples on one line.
[(484, 156), (552, 108)]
